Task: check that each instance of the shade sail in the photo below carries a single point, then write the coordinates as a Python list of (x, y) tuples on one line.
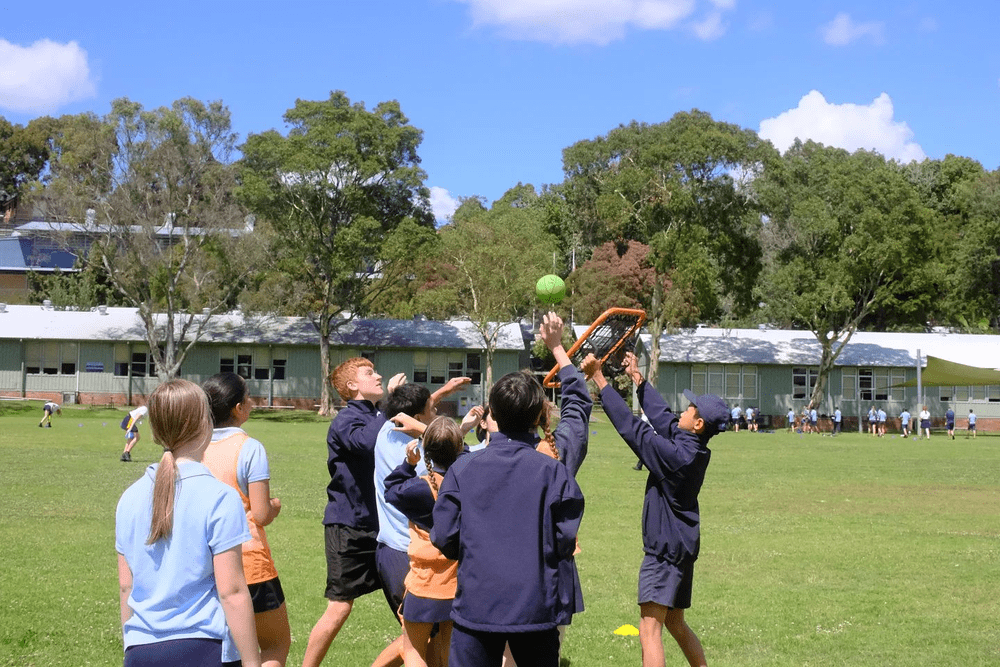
[(942, 373)]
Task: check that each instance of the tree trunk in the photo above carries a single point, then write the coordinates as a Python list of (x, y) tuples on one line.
[(326, 393), (655, 323)]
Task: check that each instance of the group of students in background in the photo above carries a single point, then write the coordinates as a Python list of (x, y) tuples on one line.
[(876, 420), (740, 419), (473, 551)]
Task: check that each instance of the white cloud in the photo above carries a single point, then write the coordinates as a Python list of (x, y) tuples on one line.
[(44, 76), (443, 204), (847, 126), (843, 30), (710, 28), (593, 21)]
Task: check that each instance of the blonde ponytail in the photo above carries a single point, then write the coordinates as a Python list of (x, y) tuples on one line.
[(179, 415)]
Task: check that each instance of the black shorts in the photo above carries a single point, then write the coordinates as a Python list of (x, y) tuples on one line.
[(393, 566), (950, 426), (266, 595), (667, 584), (972, 427), (350, 562)]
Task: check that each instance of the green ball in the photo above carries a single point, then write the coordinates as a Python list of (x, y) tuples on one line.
[(550, 289)]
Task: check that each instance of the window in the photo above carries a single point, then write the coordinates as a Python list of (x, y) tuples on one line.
[(730, 381), (473, 368), (142, 365), (804, 382), (259, 363), (439, 367), (50, 358), (849, 384), (420, 367)]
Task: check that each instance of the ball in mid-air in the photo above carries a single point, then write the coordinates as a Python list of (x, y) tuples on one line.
[(550, 289)]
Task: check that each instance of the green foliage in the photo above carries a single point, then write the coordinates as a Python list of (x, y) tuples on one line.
[(23, 153)]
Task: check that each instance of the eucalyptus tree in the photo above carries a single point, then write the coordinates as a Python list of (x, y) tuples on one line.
[(343, 199), (846, 235), (147, 198), (686, 189)]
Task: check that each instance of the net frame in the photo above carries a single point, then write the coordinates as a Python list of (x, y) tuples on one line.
[(610, 336)]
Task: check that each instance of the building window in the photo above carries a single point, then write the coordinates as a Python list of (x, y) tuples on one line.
[(439, 367), (473, 368), (420, 367), (254, 363), (731, 382), (804, 382), (50, 358), (142, 365)]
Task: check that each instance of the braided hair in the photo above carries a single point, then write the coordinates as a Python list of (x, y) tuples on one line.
[(547, 445), (442, 444)]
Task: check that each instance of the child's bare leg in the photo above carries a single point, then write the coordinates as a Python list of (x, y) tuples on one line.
[(685, 637), (415, 637)]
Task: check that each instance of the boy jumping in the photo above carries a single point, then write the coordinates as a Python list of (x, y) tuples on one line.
[(674, 449)]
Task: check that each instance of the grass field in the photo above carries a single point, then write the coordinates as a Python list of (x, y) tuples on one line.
[(815, 550)]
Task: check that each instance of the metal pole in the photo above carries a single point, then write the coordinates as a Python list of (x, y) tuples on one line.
[(920, 384)]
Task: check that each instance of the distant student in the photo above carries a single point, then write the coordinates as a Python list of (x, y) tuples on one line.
[(813, 421), (882, 416), (735, 416), (677, 455), (510, 515), (47, 410), (804, 419), (241, 462), (949, 422), (791, 419), (431, 579), (838, 418), (972, 424), (751, 419), (178, 534), (925, 423), (873, 421), (131, 425), (351, 519), (904, 422)]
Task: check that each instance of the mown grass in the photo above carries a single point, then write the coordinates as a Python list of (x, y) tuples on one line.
[(815, 550)]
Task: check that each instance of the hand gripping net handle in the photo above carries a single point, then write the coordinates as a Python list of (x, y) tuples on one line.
[(608, 338)]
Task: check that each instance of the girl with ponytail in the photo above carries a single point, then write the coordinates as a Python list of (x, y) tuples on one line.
[(432, 580), (178, 534)]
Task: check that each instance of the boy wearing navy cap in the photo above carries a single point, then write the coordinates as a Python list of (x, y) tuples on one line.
[(674, 449)]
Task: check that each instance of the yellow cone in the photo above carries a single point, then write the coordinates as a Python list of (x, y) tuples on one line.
[(628, 631)]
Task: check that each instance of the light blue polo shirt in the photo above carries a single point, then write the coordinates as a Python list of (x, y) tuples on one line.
[(390, 451), (173, 580)]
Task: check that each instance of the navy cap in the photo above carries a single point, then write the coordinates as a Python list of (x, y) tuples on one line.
[(711, 409)]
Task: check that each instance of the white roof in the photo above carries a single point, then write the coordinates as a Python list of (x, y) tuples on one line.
[(124, 324), (786, 347)]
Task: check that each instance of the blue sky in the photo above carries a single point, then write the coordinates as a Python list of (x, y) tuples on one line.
[(501, 87)]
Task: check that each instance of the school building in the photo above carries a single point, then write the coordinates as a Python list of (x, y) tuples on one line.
[(101, 357), (776, 370)]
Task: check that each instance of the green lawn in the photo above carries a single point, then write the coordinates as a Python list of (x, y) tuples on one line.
[(815, 550)]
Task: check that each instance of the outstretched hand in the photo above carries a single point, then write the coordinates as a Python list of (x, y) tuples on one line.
[(551, 330), (411, 426), (472, 418), (453, 385), (632, 368), (413, 452), (396, 380), (591, 367)]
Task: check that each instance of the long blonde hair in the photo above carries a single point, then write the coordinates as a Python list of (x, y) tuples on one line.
[(178, 415)]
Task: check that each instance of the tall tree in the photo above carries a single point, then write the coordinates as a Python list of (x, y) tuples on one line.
[(846, 233), (153, 194), (23, 152), (342, 195), (487, 263), (683, 187)]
